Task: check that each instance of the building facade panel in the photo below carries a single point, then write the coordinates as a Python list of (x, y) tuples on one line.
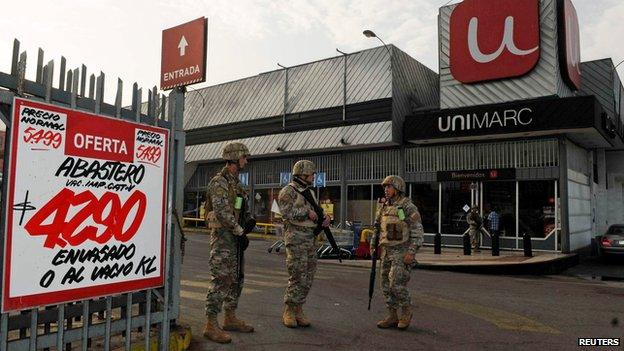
[(543, 80)]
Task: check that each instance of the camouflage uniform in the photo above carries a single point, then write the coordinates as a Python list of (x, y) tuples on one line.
[(222, 218), (397, 238), (223, 289), (299, 240), (474, 221)]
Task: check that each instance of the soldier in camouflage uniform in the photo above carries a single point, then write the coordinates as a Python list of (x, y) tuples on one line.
[(222, 217), (401, 235), (299, 223), (475, 223)]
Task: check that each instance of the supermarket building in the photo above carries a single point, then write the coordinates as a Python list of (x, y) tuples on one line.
[(512, 122)]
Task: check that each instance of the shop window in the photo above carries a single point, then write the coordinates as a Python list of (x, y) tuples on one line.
[(455, 195), (262, 205), (329, 197), (425, 197), (191, 204), (536, 208), (360, 204), (500, 197)]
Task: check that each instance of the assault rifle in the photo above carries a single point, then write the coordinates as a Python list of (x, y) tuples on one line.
[(371, 281), (307, 194), (242, 242)]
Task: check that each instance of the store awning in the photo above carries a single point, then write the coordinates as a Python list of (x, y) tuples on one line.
[(581, 118)]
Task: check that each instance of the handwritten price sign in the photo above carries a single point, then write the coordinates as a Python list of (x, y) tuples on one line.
[(86, 206)]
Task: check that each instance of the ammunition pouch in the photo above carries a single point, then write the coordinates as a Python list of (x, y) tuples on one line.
[(393, 232), (211, 221)]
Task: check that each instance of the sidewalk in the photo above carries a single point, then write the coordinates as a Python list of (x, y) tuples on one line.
[(508, 263)]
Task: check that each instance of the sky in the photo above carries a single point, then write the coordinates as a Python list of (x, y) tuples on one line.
[(246, 37)]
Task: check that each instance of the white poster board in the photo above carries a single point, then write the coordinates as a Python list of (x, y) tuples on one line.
[(86, 206)]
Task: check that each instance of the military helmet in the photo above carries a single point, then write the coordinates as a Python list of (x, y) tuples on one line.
[(397, 182), (304, 167), (234, 151)]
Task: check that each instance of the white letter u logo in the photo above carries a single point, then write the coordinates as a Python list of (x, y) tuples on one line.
[(508, 42)]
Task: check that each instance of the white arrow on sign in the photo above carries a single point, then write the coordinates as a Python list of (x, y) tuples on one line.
[(182, 46)]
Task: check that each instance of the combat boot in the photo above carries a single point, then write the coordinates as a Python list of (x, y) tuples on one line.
[(289, 318), (302, 321), (231, 323), (214, 333), (390, 321), (406, 317)]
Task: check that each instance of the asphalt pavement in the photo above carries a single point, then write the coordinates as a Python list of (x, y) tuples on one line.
[(452, 311)]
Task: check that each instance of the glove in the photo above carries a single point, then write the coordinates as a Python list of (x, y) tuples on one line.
[(238, 230), (244, 241), (250, 224)]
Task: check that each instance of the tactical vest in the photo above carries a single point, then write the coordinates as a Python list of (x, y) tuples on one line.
[(301, 202), (393, 230), (234, 190)]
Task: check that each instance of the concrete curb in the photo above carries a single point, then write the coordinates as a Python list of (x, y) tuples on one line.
[(549, 267), (554, 266)]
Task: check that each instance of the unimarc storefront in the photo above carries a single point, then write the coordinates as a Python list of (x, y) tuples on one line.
[(529, 161)]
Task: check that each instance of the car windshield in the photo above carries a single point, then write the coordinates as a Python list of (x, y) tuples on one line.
[(616, 230)]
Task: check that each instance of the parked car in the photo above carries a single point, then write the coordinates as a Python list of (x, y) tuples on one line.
[(612, 242)]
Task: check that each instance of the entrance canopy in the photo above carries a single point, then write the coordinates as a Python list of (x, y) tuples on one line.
[(581, 118)]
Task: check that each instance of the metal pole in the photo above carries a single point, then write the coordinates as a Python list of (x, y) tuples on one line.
[(517, 212), (344, 86), (343, 189), (107, 331), (285, 96), (148, 315), (440, 207), (556, 216), (563, 179), (85, 324), (60, 327), (128, 321), (33, 329)]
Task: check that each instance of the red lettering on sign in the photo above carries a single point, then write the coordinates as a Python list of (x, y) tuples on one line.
[(149, 154), (46, 137), (62, 231)]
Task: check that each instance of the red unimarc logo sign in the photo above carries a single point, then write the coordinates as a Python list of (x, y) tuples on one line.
[(183, 58), (569, 44), (493, 40)]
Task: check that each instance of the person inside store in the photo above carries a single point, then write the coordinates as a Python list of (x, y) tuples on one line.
[(493, 221)]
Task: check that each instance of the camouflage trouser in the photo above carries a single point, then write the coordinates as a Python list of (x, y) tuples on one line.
[(300, 263), (474, 233), (223, 289), (394, 276)]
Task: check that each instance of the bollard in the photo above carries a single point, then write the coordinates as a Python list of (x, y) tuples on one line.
[(528, 250), (495, 244), (437, 244), (467, 248)]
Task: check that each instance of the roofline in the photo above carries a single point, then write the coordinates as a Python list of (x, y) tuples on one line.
[(602, 59), (299, 65)]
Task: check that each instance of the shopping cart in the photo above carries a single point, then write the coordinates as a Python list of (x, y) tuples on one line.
[(345, 241), (279, 243)]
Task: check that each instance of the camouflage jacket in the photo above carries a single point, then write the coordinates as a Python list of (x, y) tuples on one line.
[(292, 205), (474, 219), (222, 192), (412, 218)]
